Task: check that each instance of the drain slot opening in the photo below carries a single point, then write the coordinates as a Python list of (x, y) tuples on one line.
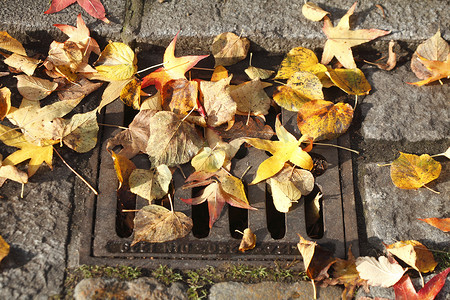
[(314, 213), (200, 215), (276, 221)]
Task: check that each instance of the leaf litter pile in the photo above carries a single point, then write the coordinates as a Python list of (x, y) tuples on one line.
[(203, 123)]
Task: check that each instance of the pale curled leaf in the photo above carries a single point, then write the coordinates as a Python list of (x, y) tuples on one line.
[(34, 88), (248, 241), (157, 224), (313, 12), (379, 272), (219, 105), (414, 254), (22, 63), (251, 98), (9, 43), (151, 184)]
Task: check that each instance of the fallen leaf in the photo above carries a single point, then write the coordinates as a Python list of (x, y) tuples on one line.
[(92, 7), (246, 127), (341, 39), (117, 62), (151, 184), (219, 73), (12, 173), (134, 139), (248, 241), (316, 259), (379, 272), (34, 88), (344, 272), (37, 154), (438, 70), (323, 120), (288, 98), (220, 188), (216, 144), (288, 185), (131, 94), (254, 73), (300, 59), (435, 48), (208, 160), (313, 12), (23, 63), (112, 92), (404, 289), (5, 102), (81, 131), (9, 43), (41, 125), (153, 102), (251, 98), (228, 49), (219, 105), (351, 81), (180, 95), (174, 67), (124, 167), (411, 171), (392, 59), (157, 224), (286, 149), (441, 223), (81, 36), (172, 141), (307, 84), (65, 59), (78, 91), (4, 248), (414, 254)]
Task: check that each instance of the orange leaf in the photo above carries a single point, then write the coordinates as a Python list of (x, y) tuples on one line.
[(5, 102), (248, 241), (174, 67), (438, 70), (323, 120), (443, 224), (180, 95), (4, 248), (341, 39), (410, 171)]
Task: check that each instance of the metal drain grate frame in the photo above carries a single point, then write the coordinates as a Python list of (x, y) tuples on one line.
[(101, 245)]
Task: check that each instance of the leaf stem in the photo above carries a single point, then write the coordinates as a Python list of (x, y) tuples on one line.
[(129, 210), (111, 125), (204, 69), (428, 188), (336, 146), (356, 102), (146, 69), (71, 169), (384, 165), (170, 200), (245, 172), (238, 231)]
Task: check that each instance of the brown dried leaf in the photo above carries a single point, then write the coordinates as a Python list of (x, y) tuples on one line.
[(131, 94), (435, 48), (22, 63), (180, 95), (134, 139), (5, 102), (248, 241), (228, 49), (11, 44), (219, 105), (157, 224), (79, 90), (246, 127), (414, 254), (392, 59), (316, 259), (124, 167), (172, 141), (251, 98)]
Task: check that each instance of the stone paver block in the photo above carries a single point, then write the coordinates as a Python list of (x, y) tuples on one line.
[(395, 110), (391, 213), (26, 21), (278, 25), (271, 290)]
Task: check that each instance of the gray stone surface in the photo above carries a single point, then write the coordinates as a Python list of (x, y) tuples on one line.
[(26, 21), (278, 25), (36, 227), (142, 288), (271, 290), (395, 110), (391, 213)]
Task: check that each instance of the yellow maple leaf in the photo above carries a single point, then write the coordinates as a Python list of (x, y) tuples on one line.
[(286, 149), (36, 154), (117, 62), (341, 39)]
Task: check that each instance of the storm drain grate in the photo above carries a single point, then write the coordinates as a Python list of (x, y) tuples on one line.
[(276, 232)]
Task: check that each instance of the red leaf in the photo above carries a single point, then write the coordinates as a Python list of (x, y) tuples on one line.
[(58, 5), (94, 8), (404, 290)]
